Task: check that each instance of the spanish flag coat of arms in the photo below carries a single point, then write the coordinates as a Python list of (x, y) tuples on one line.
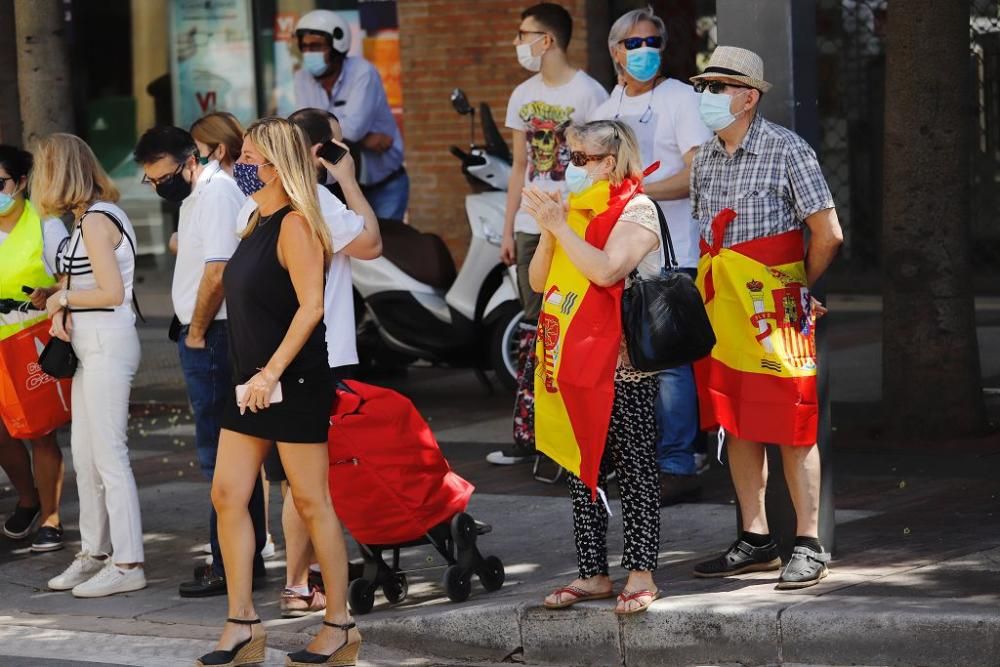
[(759, 382)]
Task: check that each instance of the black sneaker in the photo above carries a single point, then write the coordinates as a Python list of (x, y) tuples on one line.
[(49, 538), (209, 585), (20, 524), (677, 489), (805, 568), (740, 559)]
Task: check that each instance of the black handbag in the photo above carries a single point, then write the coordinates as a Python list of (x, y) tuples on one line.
[(58, 358), (663, 318)]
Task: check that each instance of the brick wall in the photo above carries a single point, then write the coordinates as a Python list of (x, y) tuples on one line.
[(447, 44)]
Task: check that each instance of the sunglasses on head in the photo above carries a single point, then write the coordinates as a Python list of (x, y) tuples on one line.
[(635, 42), (716, 87), (580, 159)]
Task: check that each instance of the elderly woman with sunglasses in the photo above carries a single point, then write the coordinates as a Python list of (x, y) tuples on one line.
[(663, 112), (608, 230)]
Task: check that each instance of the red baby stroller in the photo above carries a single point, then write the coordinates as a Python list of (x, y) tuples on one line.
[(393, 489)]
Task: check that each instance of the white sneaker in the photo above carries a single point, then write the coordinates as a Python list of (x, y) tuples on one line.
[(83, 567), (509, 457), (110, 580), (268, 550)]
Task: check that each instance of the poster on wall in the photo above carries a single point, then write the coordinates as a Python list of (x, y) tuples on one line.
[(374, 36), (212, 59)]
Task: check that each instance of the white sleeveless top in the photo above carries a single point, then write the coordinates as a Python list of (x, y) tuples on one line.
[(74, 260)]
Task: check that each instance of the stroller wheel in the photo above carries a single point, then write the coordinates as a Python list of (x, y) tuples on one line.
[(361, 596), (464, 530), (492, 575), (396, 588), (457, 583)]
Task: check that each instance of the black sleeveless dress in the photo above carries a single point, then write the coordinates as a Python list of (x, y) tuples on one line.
[(260, 304)]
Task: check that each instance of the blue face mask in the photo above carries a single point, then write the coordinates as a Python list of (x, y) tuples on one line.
[(578, 179), (6, 203), (314, 62), (643, 63), (714, 110), (247, 178)]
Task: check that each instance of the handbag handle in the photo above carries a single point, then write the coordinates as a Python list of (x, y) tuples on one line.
[(667, 244)]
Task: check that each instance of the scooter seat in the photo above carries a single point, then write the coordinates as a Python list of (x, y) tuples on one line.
[(423, 257)]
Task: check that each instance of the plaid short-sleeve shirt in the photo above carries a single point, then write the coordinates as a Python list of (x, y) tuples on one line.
[(773, 182)]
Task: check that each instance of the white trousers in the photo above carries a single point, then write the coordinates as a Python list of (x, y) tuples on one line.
[(110, 522)]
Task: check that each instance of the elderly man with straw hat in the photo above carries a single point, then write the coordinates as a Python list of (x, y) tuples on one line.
[(755, 187)]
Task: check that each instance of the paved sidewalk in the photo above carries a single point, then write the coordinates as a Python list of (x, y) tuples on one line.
[(916, 579)]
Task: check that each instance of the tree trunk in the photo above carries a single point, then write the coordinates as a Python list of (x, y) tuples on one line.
[(679, 57), (10, 115), (931, 384), (43, 68)]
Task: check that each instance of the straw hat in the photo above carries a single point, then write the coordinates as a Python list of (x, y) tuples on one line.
[(732, 62)]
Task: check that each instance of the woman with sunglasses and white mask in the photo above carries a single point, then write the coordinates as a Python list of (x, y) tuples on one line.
[(604, 178), (663, 113)]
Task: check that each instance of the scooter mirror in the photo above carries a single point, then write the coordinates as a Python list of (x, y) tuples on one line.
[(460, 102)]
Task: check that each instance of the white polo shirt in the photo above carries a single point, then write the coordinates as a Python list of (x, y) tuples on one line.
[(338, 298), (206, 233)]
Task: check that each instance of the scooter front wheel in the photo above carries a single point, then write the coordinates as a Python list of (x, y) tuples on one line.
[(503, 343)]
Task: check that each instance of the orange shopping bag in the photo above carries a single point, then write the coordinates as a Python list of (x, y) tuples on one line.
[(32, 403)]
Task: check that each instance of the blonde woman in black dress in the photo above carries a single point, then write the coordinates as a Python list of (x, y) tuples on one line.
[(274, 297)]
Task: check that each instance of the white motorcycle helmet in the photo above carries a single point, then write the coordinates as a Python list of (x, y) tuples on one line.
[(329, 23)]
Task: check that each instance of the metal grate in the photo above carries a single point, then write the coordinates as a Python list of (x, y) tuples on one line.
[(851, 42), (984, 42)]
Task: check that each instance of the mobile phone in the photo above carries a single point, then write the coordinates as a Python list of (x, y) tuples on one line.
[(331, 152), (241, 390), (27, 290)]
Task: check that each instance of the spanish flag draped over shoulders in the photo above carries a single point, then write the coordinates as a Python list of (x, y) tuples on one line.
[(759, 382), (580, 324)]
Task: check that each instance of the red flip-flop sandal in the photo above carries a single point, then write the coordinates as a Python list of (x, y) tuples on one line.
[(625, 597), (577, 595)]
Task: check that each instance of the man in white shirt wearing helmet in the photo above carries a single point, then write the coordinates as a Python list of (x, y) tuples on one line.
[(350, 87)]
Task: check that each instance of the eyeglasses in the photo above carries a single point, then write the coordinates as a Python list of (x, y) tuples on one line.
[(716, 87), (522, 33), (146, 180), (631, 43), (580, 159), (646, 116)]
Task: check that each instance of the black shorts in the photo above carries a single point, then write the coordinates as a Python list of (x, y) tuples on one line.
[(273, 470)]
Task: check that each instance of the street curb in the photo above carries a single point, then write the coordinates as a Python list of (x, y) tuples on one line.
[(901, 633)]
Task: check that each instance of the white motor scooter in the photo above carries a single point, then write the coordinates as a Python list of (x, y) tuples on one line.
[(412, 304)]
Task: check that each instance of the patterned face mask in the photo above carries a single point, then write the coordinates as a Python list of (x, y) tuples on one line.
[(247, 178)]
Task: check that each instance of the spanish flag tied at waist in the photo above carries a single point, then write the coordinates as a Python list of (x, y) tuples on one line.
[(580, 322), (759, 382)]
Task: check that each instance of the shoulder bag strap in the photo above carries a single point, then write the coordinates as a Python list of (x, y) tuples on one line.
[(121, 228), (666, 244)]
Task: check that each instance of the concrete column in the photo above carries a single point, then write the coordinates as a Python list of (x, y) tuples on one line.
[(783, 33), (150, 55)]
